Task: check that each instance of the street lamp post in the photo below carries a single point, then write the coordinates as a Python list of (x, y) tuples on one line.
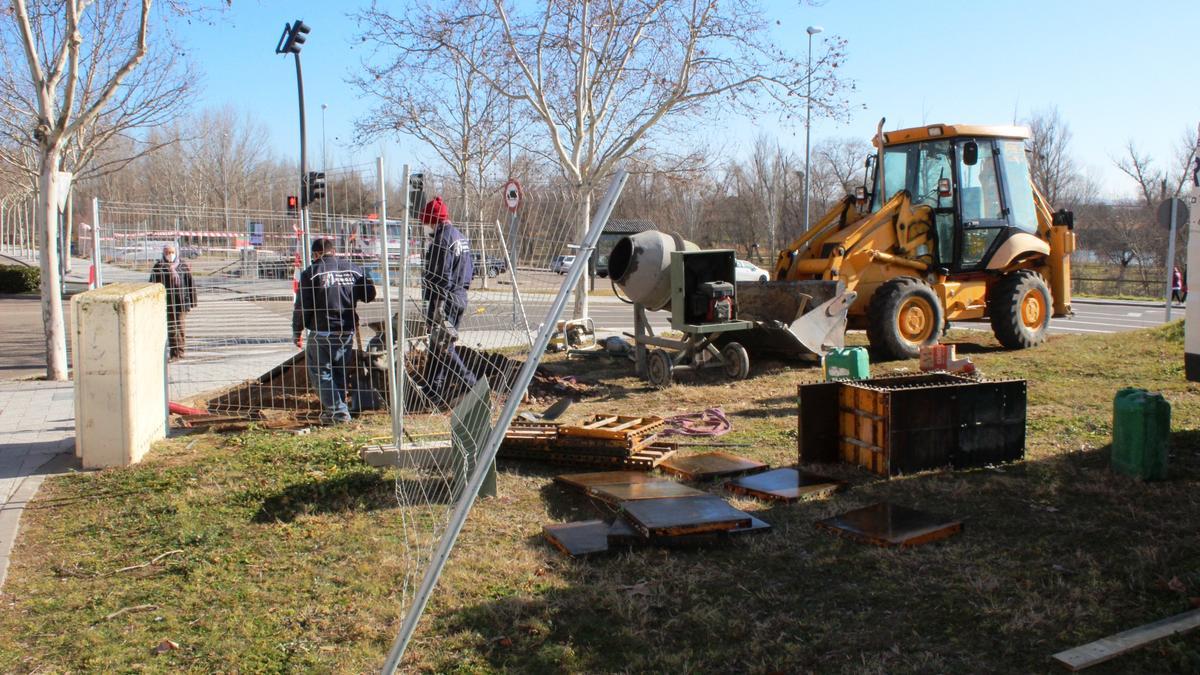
[(324, 157), (225, 177), (812, 30), (294, 36)]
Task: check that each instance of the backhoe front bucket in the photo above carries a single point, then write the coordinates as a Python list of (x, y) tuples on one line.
[(793, 318)]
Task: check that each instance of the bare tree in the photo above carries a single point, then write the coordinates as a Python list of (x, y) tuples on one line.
[(1052, 167), (600, 77), (78, 58), (1155, 184), (436, 96), (770, 167)]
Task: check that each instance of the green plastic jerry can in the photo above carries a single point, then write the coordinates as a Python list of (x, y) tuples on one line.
[(848, 363), (1141, 427)]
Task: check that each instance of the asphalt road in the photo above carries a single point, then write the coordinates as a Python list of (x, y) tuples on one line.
[(1091, 316)]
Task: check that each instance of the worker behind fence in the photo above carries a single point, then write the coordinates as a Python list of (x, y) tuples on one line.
[(329, 290), (448, 273), (176, 277)]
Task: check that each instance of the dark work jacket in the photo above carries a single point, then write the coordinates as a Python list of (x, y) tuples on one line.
[(448, 266), (181, 296), (329, 289)]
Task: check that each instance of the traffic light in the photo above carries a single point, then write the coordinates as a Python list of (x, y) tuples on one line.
[(416, 195), (314, 187), (293, 38), (293, 205)]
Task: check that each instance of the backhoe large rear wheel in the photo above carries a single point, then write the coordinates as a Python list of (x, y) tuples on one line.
[(904, 314), (1019, 306)]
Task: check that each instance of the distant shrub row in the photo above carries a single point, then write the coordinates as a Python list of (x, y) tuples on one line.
[(19, 279)]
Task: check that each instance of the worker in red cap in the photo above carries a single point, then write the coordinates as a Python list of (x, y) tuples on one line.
[(448, 273)]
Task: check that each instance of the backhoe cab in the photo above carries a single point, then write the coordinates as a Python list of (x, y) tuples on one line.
[(951, 229)]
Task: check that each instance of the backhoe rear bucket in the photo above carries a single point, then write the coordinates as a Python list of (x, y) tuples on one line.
[(794, 318)]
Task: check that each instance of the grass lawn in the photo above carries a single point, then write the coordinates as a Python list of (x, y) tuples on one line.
[(289, 551)]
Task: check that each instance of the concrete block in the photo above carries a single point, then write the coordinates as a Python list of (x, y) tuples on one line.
[(119, 343)]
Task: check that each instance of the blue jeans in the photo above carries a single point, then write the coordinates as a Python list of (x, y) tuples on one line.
[(328, 358), (447, 365)]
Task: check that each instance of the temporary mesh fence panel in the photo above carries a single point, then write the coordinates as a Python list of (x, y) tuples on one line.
[(440, 322), (466, 351), (231, 295), (18, 235)]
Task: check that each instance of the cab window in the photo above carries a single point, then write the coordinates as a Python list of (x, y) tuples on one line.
[(979, 188), (916, 167), (1022, 212)]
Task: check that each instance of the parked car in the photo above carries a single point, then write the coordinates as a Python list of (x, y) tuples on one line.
[(562, 264), (494, 266), (602, 266), (748, 271)]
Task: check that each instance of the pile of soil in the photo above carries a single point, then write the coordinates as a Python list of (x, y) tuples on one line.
[(283, 391)]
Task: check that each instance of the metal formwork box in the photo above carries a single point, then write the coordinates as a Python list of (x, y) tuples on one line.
[(910, 423)]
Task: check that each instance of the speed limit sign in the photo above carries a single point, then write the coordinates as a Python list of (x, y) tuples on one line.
[(512, 195)]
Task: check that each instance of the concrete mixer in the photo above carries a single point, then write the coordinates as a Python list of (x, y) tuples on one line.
[(722, 320)]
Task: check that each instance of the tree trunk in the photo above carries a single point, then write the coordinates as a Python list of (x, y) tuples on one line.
[(47, 227), (581, 288)]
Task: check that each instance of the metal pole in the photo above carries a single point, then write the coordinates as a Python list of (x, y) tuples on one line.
[(324, 163), (96, 258), (68, 229), (398, 420), (394, 380), (508, 261), (1171, 257), (807, 129), (492, 444), (306, 244), (224, 178), (513, 257)]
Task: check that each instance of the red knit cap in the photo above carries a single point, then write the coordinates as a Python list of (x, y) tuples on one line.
[(435, 212)]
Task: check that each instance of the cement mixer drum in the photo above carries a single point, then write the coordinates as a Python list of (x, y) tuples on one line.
[(640, 264)]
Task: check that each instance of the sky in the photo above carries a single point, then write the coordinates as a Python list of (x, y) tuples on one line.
[(1116, 71)]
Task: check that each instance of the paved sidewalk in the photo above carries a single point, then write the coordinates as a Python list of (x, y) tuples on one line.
[(37, 439), (37, 418)]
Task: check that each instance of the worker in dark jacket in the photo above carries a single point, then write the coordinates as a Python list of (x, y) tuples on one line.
[(328, 291), (448, 273), (176, 276)]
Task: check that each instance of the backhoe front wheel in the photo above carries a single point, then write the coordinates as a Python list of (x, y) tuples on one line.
[(1019, 306), (904, 314)]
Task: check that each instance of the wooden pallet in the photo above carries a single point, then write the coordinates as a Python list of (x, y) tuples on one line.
[(535, 435), (644, 459), (611, 435), (631, 432)]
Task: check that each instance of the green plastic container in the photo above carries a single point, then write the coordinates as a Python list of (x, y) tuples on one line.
[(1141, 427), (849, 363)]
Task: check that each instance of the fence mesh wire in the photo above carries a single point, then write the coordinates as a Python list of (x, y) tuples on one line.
[(18, 237), (444, 316), (231, 296), (460, 350)]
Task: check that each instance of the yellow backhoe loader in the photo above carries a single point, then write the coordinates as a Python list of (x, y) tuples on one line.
[(947, 227)]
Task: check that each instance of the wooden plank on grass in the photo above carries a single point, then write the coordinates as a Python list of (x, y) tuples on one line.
[(1113, 646)]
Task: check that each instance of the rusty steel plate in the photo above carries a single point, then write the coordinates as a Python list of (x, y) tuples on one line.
[(785, 485), (586, 537), (585, 481), (673, 516), (629, 492), (710, 465), (621, 533), (887, 524)]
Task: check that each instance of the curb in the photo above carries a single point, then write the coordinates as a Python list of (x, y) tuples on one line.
[(1124, 303), (10, 511)]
